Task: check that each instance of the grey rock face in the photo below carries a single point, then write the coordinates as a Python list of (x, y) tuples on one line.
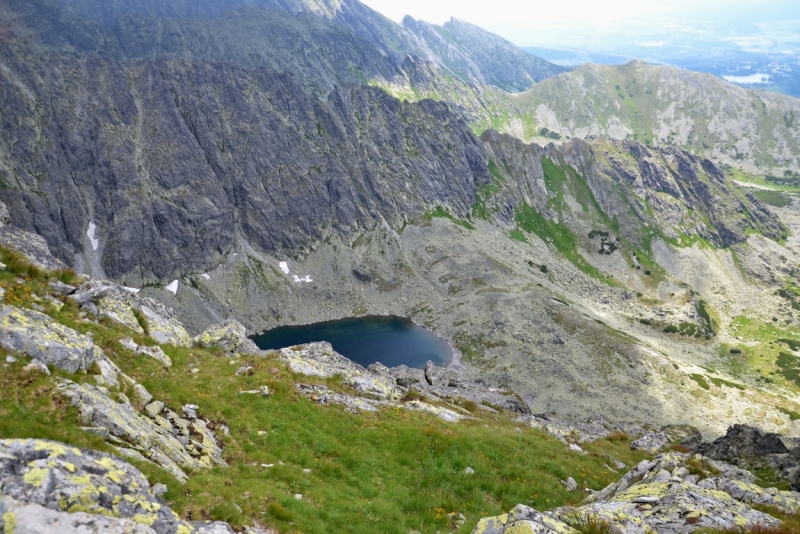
[(669, 188), (743, 441), (480, 57), (271, 160)]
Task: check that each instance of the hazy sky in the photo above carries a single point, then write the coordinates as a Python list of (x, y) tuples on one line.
[(585, 22)]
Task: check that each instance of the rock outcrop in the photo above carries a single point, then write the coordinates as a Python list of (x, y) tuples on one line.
[(229, 335), (673, 494), (752, 448), (53, 488), (381, 385), (319, 359), (121, 305), (60, 478), (142, 426)]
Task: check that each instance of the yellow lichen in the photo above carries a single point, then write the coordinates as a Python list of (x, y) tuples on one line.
[(145, 519), (82, 479), (56, 449), (9, 522), (36, 476)]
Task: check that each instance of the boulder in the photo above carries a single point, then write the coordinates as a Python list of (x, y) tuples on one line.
[(37, 335), (230, 335), (60, 478), (61, 288), (30, 518), (442, 413), (651, 442), (743, 441), (156, 353), (319, 359)]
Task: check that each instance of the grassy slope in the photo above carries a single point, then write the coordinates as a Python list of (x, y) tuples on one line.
[(386, 472)]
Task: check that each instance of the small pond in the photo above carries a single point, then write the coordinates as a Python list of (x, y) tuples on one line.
[(391, 341)]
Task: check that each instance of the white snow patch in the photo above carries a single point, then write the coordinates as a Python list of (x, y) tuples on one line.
[(131, 290), (92, 238), (206, 276), (306, 278), (173, 287), (284, 265)]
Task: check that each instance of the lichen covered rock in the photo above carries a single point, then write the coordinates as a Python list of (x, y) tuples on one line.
[(673, 494), (173, 443), (38, 336), (230, 335), (67, 479), (319, 359), (118, 304), (30, 518)]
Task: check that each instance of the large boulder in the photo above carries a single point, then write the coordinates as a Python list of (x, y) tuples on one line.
[(120, 305), (30, 518), (743, 442), (319, 359), (45, 474), (37, 335), (230, 335)]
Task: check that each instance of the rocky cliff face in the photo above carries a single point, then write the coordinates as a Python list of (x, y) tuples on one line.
[(633, 190), (480, 57), (176, 157)]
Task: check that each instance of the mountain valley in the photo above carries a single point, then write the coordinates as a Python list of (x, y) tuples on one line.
[(615, 243)]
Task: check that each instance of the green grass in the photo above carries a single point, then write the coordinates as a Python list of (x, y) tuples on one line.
[(390, 471), (773, 198), (518, 236), (441, 213), (700, 379), (719, 382), (559, 236)]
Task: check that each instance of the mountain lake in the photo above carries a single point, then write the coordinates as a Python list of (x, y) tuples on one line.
[(391, 341)]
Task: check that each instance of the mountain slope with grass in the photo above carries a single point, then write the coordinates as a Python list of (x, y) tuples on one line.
[(664, 106), (298, 461)]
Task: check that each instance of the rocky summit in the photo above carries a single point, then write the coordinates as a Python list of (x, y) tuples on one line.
[(611, 253)]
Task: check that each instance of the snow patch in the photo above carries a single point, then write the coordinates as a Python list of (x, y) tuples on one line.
[(206, 276), (131, 290), (92, 238), (306, 278), (284, 265), (173, 287)]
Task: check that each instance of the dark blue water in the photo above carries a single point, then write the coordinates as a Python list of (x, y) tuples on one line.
[(391, 341)]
